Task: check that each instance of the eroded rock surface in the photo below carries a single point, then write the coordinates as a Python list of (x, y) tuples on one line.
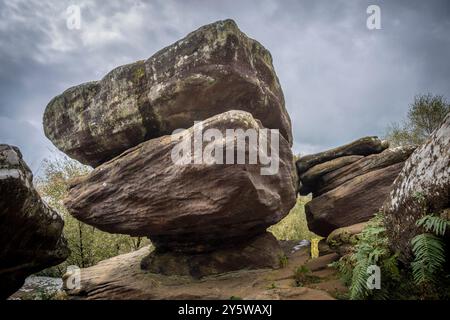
[(363, 147), (189, 207), (260, 252), (122, 278), (351, 183), (335, 178), (344, 239), (212, 70), (30, 232), (422, 187)]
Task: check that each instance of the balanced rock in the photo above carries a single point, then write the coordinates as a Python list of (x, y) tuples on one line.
[(190, 206), (422, 187), (351, 183), (212, 70), (30, 232)]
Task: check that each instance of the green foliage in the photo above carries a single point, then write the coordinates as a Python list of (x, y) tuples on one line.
[(424, 278), (429, 250), (272, 286), (434, 223), (371, 249), (283, 261), (425, 114), (345, 268), (303, 276), (429, 258), (294, 225), (87, 244)]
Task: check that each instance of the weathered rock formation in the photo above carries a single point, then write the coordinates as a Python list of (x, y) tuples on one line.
[(348, 183), (422, 187), (344, 239), (335, 178), (260, 252), (212, 70), (30, 232), (206, 195), (122, 277), (364, 147), (189, 207)]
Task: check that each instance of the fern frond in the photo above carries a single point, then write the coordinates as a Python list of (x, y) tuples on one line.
[(390, 265), (434, 223), (358, 288), (429, 259)]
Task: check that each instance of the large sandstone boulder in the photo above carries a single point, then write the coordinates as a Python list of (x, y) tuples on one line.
[(355, 201), (188, 207), (30, 232), (212, 70), (348, 183), (422, 187)]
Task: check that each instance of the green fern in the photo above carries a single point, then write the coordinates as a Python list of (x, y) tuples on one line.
[(372, 249), (429, 259), (429, 249), (358, 288), (434, 223)]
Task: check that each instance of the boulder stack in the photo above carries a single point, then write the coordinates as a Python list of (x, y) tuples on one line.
[(348, 183), (212, 70), (30, 232), (205, 213)]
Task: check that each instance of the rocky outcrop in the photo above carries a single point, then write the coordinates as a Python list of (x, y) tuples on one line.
[(353, 202), (313, 177), (188, 207), (363, 147), (204, 195), (422, 187), (335, 178), (344, 239), (122, 277), (348, 183), (212, 70), (30, 232)]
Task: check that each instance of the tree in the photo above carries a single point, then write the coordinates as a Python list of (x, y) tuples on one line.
[(425, 115), (87, 244)]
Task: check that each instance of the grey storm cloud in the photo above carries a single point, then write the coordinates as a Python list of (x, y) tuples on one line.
[(341, 81)]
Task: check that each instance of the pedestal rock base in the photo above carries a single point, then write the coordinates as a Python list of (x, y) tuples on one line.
[(258, 253), (122, 277)]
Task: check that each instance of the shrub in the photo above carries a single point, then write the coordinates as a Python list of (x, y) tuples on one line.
[(294, 225)]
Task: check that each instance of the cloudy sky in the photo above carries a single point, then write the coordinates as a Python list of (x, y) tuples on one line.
[(341, 80)]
